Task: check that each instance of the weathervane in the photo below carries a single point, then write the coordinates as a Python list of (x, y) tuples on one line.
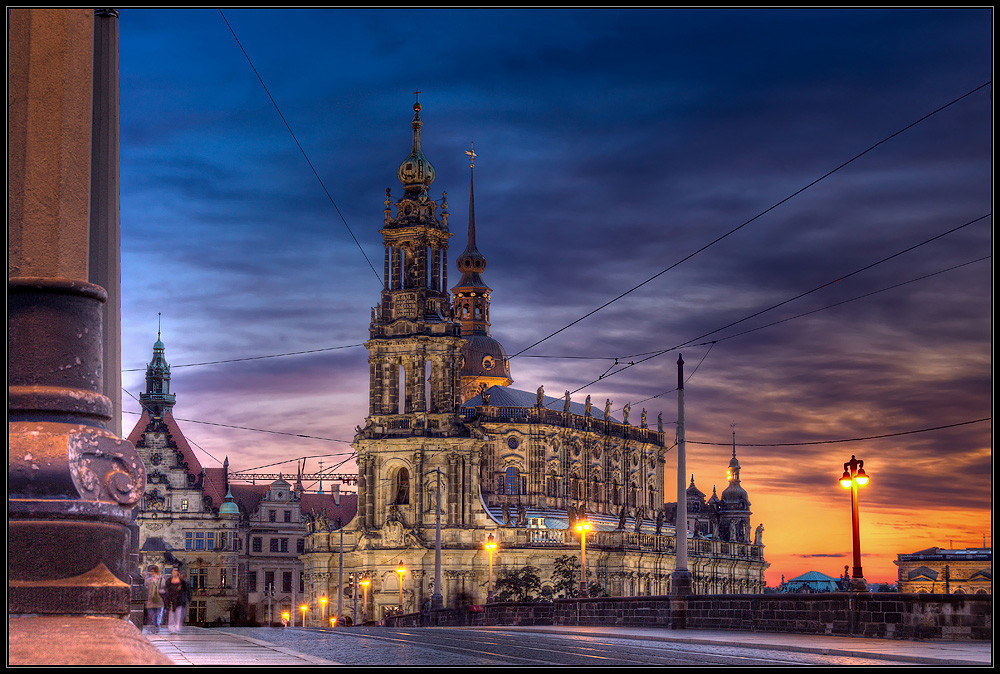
[(472, 155)]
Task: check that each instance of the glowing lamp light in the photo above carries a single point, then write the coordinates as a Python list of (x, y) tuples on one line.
[(583, 526), (490, 544), (845, 480), (861, 477), (285, 615)]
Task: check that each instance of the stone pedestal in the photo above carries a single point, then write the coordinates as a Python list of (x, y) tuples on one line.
[(680, 589)]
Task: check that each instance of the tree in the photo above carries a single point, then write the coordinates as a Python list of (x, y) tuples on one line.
[(517, 584), (566, 576), (566, 579)]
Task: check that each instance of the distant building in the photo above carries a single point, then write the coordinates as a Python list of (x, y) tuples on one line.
[(238, 544), (812, 581), (945, 571)]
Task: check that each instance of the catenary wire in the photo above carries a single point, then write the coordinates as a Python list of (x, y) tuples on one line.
[(762, 213), (301, 149), (656, 354)]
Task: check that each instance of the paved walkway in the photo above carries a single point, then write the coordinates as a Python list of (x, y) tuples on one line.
[(202, 646)]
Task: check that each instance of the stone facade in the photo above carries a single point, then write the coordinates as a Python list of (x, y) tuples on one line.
[(939, 570), (238, 544), (519, 466)]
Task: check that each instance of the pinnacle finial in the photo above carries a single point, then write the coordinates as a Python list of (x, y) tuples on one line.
[(158, 314), (472, 155), (416, 105)]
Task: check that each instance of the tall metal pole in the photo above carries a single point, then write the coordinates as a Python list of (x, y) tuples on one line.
[(355, 593), (436, 598), (340, 582), (681, 575), (856, 527)]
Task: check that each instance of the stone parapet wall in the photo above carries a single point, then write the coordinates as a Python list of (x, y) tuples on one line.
[(888, 615)]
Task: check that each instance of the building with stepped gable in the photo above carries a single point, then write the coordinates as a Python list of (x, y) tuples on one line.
[(238, 544)]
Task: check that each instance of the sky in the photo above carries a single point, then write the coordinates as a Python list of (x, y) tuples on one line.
[(797, 202)]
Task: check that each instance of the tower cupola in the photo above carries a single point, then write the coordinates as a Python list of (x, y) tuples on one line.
[(157, 399), (416, 172)]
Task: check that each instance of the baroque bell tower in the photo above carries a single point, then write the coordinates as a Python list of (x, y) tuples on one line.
[(414, 442), (414, 342)]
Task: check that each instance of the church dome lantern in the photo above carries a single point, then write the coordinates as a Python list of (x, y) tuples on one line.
[(416, 170)]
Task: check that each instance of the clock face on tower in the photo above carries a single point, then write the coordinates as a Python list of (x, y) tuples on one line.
[(488, 362)]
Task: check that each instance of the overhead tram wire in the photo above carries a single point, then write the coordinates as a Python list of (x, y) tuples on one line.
[(807, 313), (273, 355), (762, 213), (655, 354), (837, 304), (301, 149), (827, 442), (241, 428), (635, 355)]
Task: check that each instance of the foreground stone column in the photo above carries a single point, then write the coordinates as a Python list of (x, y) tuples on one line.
[(71, 481)]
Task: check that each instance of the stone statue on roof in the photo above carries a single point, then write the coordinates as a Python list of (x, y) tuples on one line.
[(639, 512), (522, 515), (659, 422), (621, 517), (539, 396), (659, 521), (758, 535), (566, 401), (625, 411), (642, 422), (587, 404), (607, 409)]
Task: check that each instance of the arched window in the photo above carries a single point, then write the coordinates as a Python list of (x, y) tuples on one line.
[(510, 482), (428, 389), (652, 498), (402, 487), (616, 495), (574, 481), (401, 391)]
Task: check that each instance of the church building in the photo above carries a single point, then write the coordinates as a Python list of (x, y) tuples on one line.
[(449, 440)]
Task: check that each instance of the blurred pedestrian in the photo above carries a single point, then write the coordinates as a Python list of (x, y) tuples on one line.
[(176, 600), (154, 601)]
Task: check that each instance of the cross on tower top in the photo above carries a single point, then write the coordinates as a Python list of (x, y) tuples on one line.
[(472, 155)]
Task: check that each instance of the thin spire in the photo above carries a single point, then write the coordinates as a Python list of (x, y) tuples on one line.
[(472, 201), (158, 315)]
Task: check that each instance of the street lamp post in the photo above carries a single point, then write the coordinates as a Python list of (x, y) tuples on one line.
[(401, 570), (303, 608), (583, 526), (322, 601), (364, 606), (490, 546), (853, 477)]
